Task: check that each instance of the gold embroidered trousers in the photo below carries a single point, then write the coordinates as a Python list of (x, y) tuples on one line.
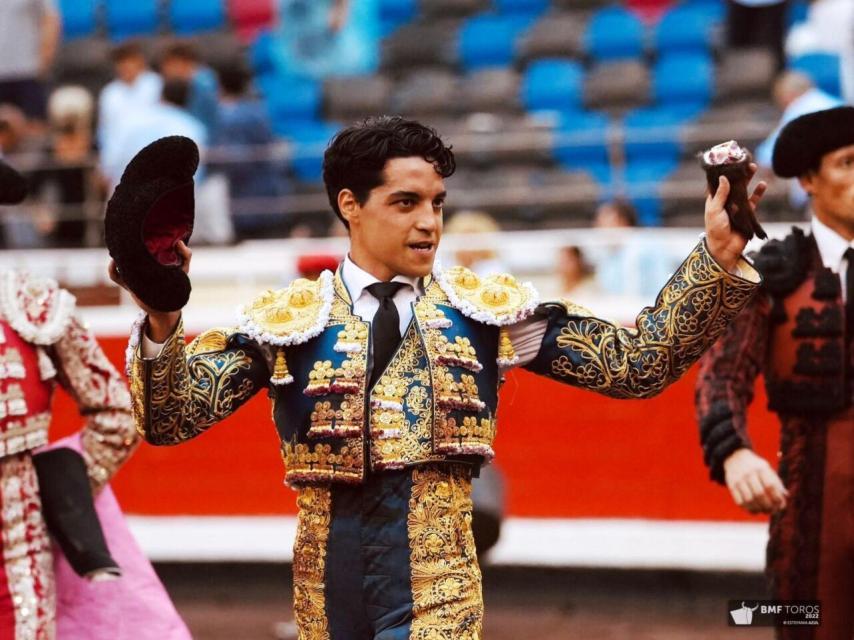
[(392, 559)]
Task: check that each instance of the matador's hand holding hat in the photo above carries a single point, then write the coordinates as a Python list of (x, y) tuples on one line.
[(13, 186), (149, 214)]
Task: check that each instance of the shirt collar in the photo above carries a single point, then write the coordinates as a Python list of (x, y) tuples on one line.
[(831, 245), (357, 279)]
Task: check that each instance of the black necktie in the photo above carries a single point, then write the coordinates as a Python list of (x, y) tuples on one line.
[(849, 314), (385, 327), (849, 292)]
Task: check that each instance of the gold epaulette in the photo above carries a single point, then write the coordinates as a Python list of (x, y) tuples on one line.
[(498, 299), (289, 316), (210, 341)]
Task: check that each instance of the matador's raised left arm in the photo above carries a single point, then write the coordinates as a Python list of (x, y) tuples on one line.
[(690, 313)]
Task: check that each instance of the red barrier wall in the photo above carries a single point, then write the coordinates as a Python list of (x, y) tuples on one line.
[(565, 453)]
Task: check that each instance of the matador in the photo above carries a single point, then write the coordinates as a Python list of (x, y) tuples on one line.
[(384, 380)]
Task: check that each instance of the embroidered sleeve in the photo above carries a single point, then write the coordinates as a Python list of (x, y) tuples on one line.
[(108, 437), (187, 389), (725, 385), (691, 311)]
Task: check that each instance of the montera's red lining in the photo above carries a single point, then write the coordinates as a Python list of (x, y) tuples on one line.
[(169, 221)]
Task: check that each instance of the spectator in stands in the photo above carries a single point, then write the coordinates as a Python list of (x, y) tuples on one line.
[(483, 261), (829, 28), (631, 266), (752, 23), (136, 87), (13, 129), (615, 214), (318, 38), (244, 155), (181, 61), (170, 117), (795, 95), (64, 186), (19, 228), (29, 36), (577, 280), (167, 117)]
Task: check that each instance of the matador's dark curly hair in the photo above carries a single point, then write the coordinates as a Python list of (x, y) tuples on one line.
[(357, 155)]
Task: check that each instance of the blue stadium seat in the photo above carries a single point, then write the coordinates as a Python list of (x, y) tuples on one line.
[(713, 10), (395, 13), (686, 80), (261, 56), (291, 101), (195, 16), (643, 184), (310, 141), (683, 29), (653, 135), (797, 13), (137, 18), (581, 142), (552, 84), (604, 176), (490, 40), (614, 33), (526, 8), (823, 68), (79, 18)]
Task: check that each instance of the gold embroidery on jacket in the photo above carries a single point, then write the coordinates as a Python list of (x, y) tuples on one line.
[(347, 419), (313, 521), (691, 311), (318, 463), (449, 394), (469, 437), (446, 583), (396, 439), (187, 396), (210, 341)]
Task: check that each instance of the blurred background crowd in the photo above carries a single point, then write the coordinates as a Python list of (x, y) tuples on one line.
[(564, 113)]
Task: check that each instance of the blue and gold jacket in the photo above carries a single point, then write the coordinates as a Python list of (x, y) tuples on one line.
[(438, 397)]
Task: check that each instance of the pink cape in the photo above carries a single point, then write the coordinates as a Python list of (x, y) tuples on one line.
[(133, 607)]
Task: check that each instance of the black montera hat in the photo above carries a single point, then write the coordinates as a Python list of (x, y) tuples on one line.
[(151, 210), (13, 186), (803, 141)]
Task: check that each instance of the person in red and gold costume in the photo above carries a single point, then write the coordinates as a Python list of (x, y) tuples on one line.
[(800, 335), (47, 491), (42, 344)]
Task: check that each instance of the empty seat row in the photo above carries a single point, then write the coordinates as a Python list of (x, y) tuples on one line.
[(501, 39), (554, 84), (123, 19)]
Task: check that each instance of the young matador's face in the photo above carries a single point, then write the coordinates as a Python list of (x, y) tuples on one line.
[(397, 230), (832, 189)]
